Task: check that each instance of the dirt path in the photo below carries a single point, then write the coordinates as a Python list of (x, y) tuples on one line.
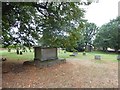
[(73, 74)]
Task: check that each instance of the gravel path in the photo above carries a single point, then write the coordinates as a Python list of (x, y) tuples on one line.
[(72, 74)]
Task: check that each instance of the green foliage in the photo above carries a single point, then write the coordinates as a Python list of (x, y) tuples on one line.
[(17, 15), (108, 36), (62, 28), (55, 24), (88, 34), (13, 56)]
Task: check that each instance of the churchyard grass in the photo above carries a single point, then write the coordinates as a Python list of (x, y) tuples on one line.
[(105, 57)]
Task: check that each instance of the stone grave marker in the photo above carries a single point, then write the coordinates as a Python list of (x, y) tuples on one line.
[(43, 54), (74, 54), (45, 57), (118, 57), (97, 57)]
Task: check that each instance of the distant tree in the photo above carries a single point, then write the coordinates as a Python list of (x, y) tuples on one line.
[(108, 36), (62, 27), (88, 35)]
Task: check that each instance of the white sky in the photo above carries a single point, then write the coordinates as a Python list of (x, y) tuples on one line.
[(102, 12)]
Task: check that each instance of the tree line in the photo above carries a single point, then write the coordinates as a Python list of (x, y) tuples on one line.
[(109, 35), (55, 24)]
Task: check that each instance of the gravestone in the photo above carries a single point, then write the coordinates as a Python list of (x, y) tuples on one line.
[(89, 48), (97, 57), (74, 54), (45, 57), (118, 57), (43, 54)]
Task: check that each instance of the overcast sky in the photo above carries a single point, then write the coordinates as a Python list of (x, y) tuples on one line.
[(102, 12)]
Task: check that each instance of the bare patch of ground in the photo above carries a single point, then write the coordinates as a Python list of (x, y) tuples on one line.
[(73, 74)]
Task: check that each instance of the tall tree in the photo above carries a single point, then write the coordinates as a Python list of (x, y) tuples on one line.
[(108, 36), (88, 35), (54, 22), (16, 23)]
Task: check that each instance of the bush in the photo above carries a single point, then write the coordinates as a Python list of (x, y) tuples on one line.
[(79, 49)]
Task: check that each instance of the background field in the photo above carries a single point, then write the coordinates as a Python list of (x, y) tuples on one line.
[(105, 57)]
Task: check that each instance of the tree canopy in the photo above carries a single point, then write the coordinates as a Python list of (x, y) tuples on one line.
[(48, 23), (108, 36), (87, 35)]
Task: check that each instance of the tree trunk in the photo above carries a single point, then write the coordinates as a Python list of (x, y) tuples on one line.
[(9, 50), (17, 51), (105, 49)]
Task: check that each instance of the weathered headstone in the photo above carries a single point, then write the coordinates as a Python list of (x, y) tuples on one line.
[(43, 54), (97, 57), (118, 57), (89, 48), (74, 54), (45, 57)]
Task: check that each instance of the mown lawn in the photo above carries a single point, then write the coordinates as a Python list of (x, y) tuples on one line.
[(13, 56), (105, 57)]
